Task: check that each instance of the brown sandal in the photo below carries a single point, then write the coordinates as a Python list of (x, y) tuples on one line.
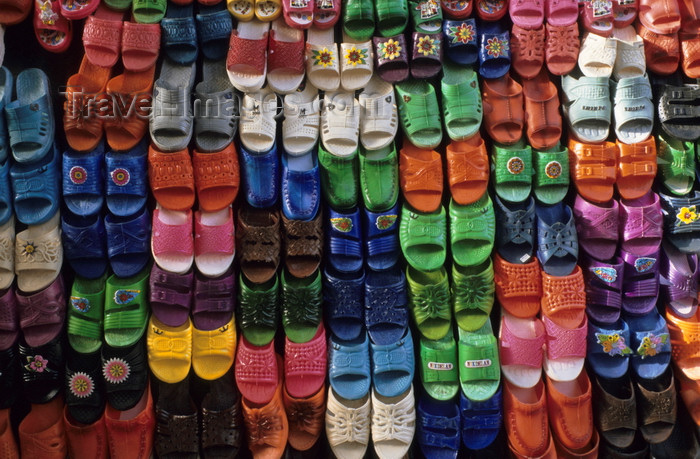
[(303, 244), (615, 417), (258, 239), (657, 410)]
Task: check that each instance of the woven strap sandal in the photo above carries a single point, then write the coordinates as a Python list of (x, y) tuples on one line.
[(258, 310), (518, 286), (258, 240), (429, 302), (386, 313), (676, 164), (301, 306), (472, 292), (343, 296)]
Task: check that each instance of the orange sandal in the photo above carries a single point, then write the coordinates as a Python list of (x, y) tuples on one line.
[(518, 287), (467, 169), (420, 177), (171, 178), (86, 440), (542, 111), (130, 99), (593, 169), (504, 115), (217, 178), (41, 432), (525, 413), (8, 444), (685, 344), (564, 299), (637, 168)]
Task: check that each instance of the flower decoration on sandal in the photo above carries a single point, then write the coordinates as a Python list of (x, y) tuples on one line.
[(80, 304), (497, 47), (651, 344), (81, 385), (687, 215), (355, 56), (37, 364), (427, 46), (323, 57), (613, 344), (390, 49), (342, 224), (46, 13), (463, 33), (116, 370), (78, 175)]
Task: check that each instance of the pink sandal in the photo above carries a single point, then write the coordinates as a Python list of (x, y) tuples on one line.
[(326, 13), (78, 9), (527, 14), (256, 371), (172, 244), (305, 365), (298, 13), (625, 12), (565, 351), (214, 247), (521, 343), (53, 31), (561, 13)]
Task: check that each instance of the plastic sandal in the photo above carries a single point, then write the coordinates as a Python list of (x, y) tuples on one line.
[(256, 371), (305, 365), (258, 239), (339, 413), (172, 243), (429, 301), (684, 344), (512, 171), (7, 253), (306, 419), (419, 113), (527, 14), (171, 117), (518, 286), (551, 181), (557, 244), (690, 53), (494, 50), (258, 324), (382, 238), (344, 240), (597, 227), (378, 115), (542, 108), (53, 31), (141, 45), (472, 231), (126, 309), (258, 125), (421, 178), (268, 10), (343, 296), (527, 47), (598, 19), (491, 10), (222, 423), (438, 369), (438, 428), (124, 131), (386, 314), (521, 350), (481, 421), (679, 284), (301, 306), (515, 231), (14, 11), (261, 174), (303, 242), (170, 295), (171, 178), (128, 242), (461, 40), (565, 351), (564, 298), (243, 10), (504, 116), (298, 14), (169, 350), (214, 298), (479, 367), (561, 48), (84, 244), (637, 168), (213, 350), (662, 52), (214, 28), (83, 182), (426, 55), (74, 10), (356, 65), (467, 169), (570, 404), (42, 372), (285, 62), (322, 66), (148, 11), (676, 164), (340, 123), (246, 62), (35, 189), (7, 90), (618, 396), (597, 56), (42, 313), (660, 17), (587, 107), (393, 366), (609, 349), (681, 221), (423, 238), (125, 372), (561, 13), (393, 422), (426, 16), (392, 17), (651, 344), (677, 111), (339, 179), (391, 58), (85, 400), (349, 367), (593, 169), (127, 185), (176, 432), (625, 12), (30, 118), (656, 424), (9, 326), (216, 178), (641, 225), (633, 127), (641, 282), (457, 9), (461, 102), (472, 292), (302, 119), (630, 59), (326, 13)]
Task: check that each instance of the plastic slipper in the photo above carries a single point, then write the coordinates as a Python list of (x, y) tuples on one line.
[(7, 253), (630, 60), (662, 52), (128, 242), (593, 169), (637, 168), (518, 286), (256, 371), (625, 12), (681, 221), (651, 345), (472, 231), (78, 9), (171, 117), (326, 13), (214, 299), (527, 14), (256, 170), (683, 340), (344, 240), (258, 324), (378, 115), (386, 322), (85, 397), (340, 123), (322, 66), (561, 48), (467, 169), (126, 309), (677, 111), (421, 178), (30, 117), (301, 306), (461, 102), (494, 50), (438, 367), (247, 69), (461, 41), (172, 243), (393, 423), (570, 404), (641, 282), (171, 178), (214, 27), (598, 18), (213, 351), (419, 113), (382, 237), (565, 350), (393, 366), (356, 64), (258, 239), (84, 244), (349, 367), (457, 9), (423, 238), (298, 13), (491, 10), (679, 283), (551, 181), (358, 19), (169, 350), (521, 350), (42, 313), (214, 242), (528, 52), (426, 16), (258, 123), (125, 372), (597, 227), (14, 11), (479, 367), (268, 10), (481, 421), (566, 310), (472, 292), (125, 127), (53, 31), (338, 413), (641, 224), (179, 36), (344, 302), (391, 58), (392, 17), (426, 55), (676, 164), (305, 365), (305, 429), (542, 108), (429, 301), (243, 10), (561, 13), (85, 314), (170, 295), (616, 396), (215, 110), (660, 17), (7, 90), (127, 184), (633, 126), (690, 53), (42, 373), (512, 171), (339, 179), (301, 187), (438, 428), (302, 120), (82, 126), (83, 181), (504, 116), (557, 244), (515, 230), (285, 62), (609, 349), (35, 189), (597, 55), (148, 11)]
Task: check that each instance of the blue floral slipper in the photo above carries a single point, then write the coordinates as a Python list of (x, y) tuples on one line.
[(127, 180), (83, 182)]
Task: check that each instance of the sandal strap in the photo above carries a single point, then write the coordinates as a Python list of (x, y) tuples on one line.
[(552, 168), (462, 102), (46, 307), (563, 342), (680, 214), (247, 53), (515, 350), (564, 295), (418, 111), (604, 284), (557, 240), (176, 32), (218, 117), (303, 238), (641, 277), (466, 166), (344, 298), (344, 241), (439, 365), (382, 232), (609, 341), (657, 407), (474, 291), (170, 170), (285, 56), (141, 39), (84, 242), (126, 175), (45, 254), (479, 360), (512, 165), (419, 174), (517, 281), (221, 427), (213, 27), (103, 35), (176, 433), (131, 237), (29, 123)]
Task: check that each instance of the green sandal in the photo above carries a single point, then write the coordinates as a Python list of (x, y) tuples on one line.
[(512, 171), (257, 310), (676, 161), (461, 101), (472, 291), (472, 231), (552, 174), (423, 238), (429, 301), (86, 313), (339, 179), (419, 113), (301, 306), (426, 15), (479, 366), (438, 369), (358, 19), (149, 11), (379, 178), (126, 308), (392, 17)]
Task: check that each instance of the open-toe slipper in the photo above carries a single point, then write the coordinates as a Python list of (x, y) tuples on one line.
[(603, 288), (438, 367), (172, 243), (393, 366), (679, 283), (512, 171), (78, 9), (551, 182), (169, 350), (587, 107), (570, 310), (386, 325), (268, 10), (126, 310), (419, 113), (561, 13), (593, 169), (481, 421), (322, 60), (491, 10), (258, 240), (85, 397), (258, 126), (83, 181), (302, 120), (528, 51), (171, 113), (561, 48), (423, 238), (379, 119), (339, 178), (637, 168), (356, 64), (171, 178), (470, 313), (125, 130), (14, 11), (426, 57), (128, 242), (214, 299), (42, 314), (421, 177), (521, 349), (660, 17), (640, 288), (170, 295), (213, 350), (217, 178), (340, 123), (515, 230), (427, 300), (326, 13), (598, 18), (38, 255), (479, 366), (344, 240), (472, 231), (298, 13), (392, 16), (625, 12), (597, 227), (349, 367), (214, 27), (494, 50), (504, 115), (214, 242), (690, 53), (86, 313), (246, 61), (35, 188), (53, 31), (528, 14), (678, 111), (542, 110), (42, 371), (216, 112), (634, 111), (358, 19), (461, 41), (82, 126), (344, 302), (382, 237), (126, 177), (681, 221), (461, 102), (285, 62), (518, 286), (7, 254), (426, 16), (85, 244), (609, 349), (565, 350), (597, 55), (651, 345), (243, 10), (467, 169), (391, 58), (662, 52), (676, 164), (641, 224), (630, 59), (557, 244), (149, 11)]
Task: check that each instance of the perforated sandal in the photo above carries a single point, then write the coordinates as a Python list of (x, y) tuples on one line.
[(38, 255), (302, 120), (215, 109), (528, 50), (379, 119), (246, 62), (419, 113), (258, 239), (340, 123), (258, 122), (561, 48), (518, 286)]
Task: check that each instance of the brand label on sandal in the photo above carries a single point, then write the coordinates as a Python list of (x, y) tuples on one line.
[(553, 169), (515, 165), (80, 304), (605, 274), (637, 108), (593, 108), (477, 363), (299, 3), (125, 296), (644, 264), (440, 366)]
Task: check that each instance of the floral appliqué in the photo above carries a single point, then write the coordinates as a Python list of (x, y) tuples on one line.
[(496, 47), (120, 177), (613, 344), (385, 222), (427, 46), (78, 175), (37, 364), (355, 56), (553, 169), (116, 370), (80, 304), (457, 5), (323, 57), (651, 344), (342, 224), (125, 296), (515, 165), (463, 33), (46, 13), (491, 6), (391, 49), (687, 215), (81, 385), (28, 249)]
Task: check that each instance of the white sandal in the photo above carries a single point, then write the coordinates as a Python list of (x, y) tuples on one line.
[(258, 127), (302, 119), (248, 44), (379, 119), (340, 123), (39, 255), (393, 424), (284, 54), (356, 64), (7, 253), (347, 426), (597, 56), (322, 67), (630, 61)]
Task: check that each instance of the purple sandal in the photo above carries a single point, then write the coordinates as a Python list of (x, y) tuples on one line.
[(391, 58), (603, 288), (42, 314), (641, 224), (9, 319), (213, 301), (641, 282), (426, 59), (170, 295), (597, 227), (679, 280)]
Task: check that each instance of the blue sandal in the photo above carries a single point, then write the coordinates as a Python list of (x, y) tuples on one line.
[(515, 230), (609, 349), (214, 27), (128, 242), (348, 369), (36, 189), (83, 182), (557, 242), (386, 310), (5, 193), (344, 298), (382, 238), (461, 41), (344, 238), (179, 34), (437, 429), (84, 244), (481, 421), (494, 50), (651, 343), (260, 173), (127, 185), (6, 92), (393, 366)]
